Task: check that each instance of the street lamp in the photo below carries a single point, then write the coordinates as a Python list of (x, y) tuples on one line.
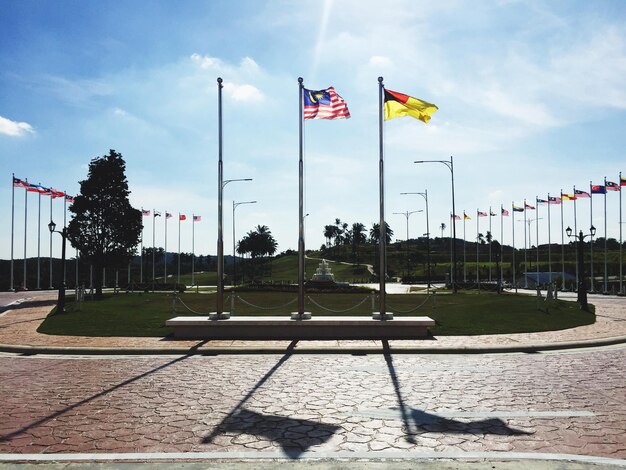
[(407, 214), (425, 196), (450, 165), (61, 299), (220, 314), (582, 290), (235, 205)]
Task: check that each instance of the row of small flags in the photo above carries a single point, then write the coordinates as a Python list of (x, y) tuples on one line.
[(38, 188), (168, 215), (577, 194)]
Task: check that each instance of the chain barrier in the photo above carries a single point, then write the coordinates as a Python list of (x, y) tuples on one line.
[(266, 308), (336, 311), (178, 299), (428, 298)]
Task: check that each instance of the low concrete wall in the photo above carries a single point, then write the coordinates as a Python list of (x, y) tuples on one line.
[(322, 328)]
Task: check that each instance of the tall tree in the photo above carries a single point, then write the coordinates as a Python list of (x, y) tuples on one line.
[(375, 233), (358, 238), (105, 228)]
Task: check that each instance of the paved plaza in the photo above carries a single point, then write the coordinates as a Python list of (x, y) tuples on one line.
[(383, 405)]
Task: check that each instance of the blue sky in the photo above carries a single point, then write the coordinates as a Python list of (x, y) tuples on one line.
[(531, 100)]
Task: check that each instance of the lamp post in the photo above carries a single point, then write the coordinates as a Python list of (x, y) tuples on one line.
[(407, 214), (450, 165), (235, 205), (220, 314), (582, 290), (425, 196), (61, 299)]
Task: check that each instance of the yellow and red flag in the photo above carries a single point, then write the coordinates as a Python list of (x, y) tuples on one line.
[(399, 105)]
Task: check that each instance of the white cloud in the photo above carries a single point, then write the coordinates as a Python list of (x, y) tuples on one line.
[(15, 129), (205, 62), (243, 92)]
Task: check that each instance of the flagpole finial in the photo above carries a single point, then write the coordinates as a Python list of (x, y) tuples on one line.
[(219, 81), (300, 80), (380, 80)]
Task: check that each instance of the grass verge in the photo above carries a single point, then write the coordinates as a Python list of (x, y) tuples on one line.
[(142, 314)]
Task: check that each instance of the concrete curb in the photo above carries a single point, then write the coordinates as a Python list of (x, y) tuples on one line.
[(208, 351)]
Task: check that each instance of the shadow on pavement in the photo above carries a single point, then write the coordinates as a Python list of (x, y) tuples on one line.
[(294, 436), (419, 422)]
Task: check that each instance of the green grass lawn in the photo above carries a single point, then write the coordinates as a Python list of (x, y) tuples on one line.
[(142, 314)]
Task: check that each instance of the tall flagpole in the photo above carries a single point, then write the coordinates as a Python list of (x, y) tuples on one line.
[(51, 243), (64, 227), (141, 250), (549, 242), (300, 314), (525, 250), (477, 249), (513, 244), (605, 235), (25, 231), (591, 287), (11, 285), (491, 234), (464, 252), (501, 244), (153, 246), (537, 235), (193, 246), (575, 231), (178, 273), (382, 234), (219, 313), (165, 252), (39, 240), (562, 247), (621, 259)]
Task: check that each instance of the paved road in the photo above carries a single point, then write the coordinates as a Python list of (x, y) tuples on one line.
[(317, 405)]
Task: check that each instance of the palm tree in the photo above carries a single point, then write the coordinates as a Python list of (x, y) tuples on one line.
[(375, 233), (329, 233), (358, 237), (442, 227)]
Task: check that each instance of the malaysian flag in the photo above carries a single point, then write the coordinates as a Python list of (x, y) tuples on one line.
[(482, 214), (528, 206), (55, 193), (581, 194), (455, 217), (145, 213), (69, 198), (610, 186), (554, 200), (197, 218), (504, 212), (324, 104), (18, 183), (168, 215), (157, 214), (542, 201)]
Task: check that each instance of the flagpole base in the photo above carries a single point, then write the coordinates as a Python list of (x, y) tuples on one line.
[(300, 316), (382, 316), (219, 316)]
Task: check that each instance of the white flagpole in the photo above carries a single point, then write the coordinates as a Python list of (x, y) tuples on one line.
[(491, 234), (38, 241), (606, 278), (549, 241), (464, 258), (141, 250), (165, 252), (537, 235), (178, 275), (153, 246), (513, 244), (11, 284), (525, 250), (501, 244), (193, 247), (51, 287), (25, 230), (477, 249), (562, 247), (575, 232), (64, 226), (621, 258), (592, 288)]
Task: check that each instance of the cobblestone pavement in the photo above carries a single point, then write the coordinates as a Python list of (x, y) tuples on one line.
[(558, 403)]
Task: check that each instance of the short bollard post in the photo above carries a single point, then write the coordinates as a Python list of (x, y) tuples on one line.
[(434, 295), (373, 295), (232, 304)]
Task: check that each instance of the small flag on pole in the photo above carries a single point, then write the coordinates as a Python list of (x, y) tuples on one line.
[(455, 217), (482, 214), (145, 213), (466, 217), (324, 104), (18, 183), (568, 197), (518, 209), (492, 213), (554, 200), (54, 193), (168, 215), (528, 206), (37, 188), (505, 212), (581, 194), (622, 181), (197, 218), (157, 214), (598, 189), (399, 105), (182, 217), (610, 186), (69, 198), (542, 201)]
